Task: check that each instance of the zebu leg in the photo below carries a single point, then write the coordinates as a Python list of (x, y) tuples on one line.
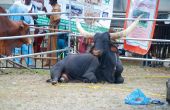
[(119, 69), (89, 76), (56, 72)]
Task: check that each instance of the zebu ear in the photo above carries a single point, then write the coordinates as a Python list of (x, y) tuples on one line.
[(125, 32), (90, 48), (24, 29), (21, 27), (82, 31)]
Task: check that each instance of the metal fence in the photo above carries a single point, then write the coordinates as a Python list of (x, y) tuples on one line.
[(73, 43)]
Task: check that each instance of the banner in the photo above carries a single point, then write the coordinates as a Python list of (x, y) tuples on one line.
[(92, 8), (145, 29)]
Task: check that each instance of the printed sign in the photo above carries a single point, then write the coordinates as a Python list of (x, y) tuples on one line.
[(87, 8), (43, 20), (145, 29)]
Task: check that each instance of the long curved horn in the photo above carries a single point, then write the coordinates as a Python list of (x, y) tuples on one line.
[(118, 35), (82, 31)]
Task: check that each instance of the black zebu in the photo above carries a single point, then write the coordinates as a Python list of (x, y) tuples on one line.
[(110, 67), (102, 65)]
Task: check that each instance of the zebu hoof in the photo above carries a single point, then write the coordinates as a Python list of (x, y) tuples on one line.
[(94, 81), (49, 80), (86, 81), (119, 80), (89, 81), (64, 78), (54, 82)]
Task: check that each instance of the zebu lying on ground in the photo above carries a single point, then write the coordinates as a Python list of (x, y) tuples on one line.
[(102, 65), (11, 28)]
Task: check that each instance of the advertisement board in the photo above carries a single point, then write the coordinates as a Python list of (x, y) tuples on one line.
[(145, 29), (85, 8)]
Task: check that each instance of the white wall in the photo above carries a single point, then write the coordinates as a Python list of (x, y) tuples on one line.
[(164, 5), (46, 3), (6, 1)]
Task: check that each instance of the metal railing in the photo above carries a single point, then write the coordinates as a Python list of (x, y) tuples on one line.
[(72, 34)]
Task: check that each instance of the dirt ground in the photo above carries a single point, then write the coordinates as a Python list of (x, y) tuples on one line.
[(27, 90)]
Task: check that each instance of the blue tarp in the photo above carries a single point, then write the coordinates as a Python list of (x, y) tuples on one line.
[(137, 97)]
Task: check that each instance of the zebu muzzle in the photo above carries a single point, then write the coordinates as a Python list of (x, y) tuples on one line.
[(96, 52)]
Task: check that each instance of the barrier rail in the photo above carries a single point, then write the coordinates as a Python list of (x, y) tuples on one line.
[(144, 59), (40, 53), (155, 40), (30, 36), (123, 19), (51, 29), (25, 14), (102, 18)]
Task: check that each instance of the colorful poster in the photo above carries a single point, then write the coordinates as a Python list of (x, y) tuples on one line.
[(145, 29), (87, 8), (42, 20)]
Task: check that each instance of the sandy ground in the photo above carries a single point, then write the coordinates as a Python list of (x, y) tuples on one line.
[(26, 90)]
